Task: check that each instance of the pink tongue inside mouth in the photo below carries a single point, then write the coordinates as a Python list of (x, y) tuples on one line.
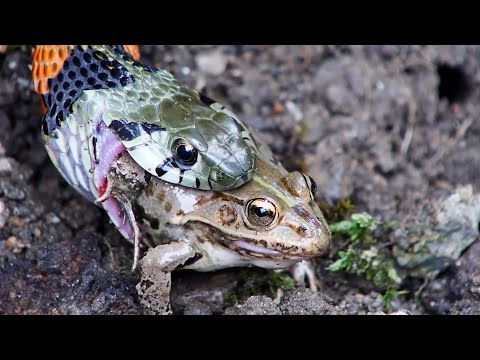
[(255, 248), (110, 148)]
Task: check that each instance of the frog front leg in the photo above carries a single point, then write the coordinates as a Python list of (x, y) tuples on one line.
[(156, 267), (303, 272), (122, 184)]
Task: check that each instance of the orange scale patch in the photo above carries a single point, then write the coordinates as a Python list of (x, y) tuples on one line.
[(133, 50), (47, 60)]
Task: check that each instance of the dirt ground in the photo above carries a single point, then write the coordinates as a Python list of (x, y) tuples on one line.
[(392, 128)]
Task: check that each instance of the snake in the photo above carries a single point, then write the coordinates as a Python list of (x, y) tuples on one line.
[(177, 134)]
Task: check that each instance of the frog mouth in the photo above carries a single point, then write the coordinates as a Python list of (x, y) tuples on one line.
[(256, 249)]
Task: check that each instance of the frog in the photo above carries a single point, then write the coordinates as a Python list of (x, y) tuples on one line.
[(271, 222)]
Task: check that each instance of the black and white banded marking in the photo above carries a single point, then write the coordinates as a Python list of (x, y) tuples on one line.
[(84, 69), (134, 132)]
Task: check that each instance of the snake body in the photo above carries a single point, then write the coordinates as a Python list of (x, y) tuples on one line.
[(100, 100)]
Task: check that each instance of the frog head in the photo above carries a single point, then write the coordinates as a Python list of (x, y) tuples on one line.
[(271, 221)]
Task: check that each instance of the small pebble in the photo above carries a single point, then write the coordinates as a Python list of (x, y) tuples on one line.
[(17, 221), (294, 110), (14, 193), (278, 108), (212, 63), (37, 232), (5, 165), (14, 245), (3, 214), (52, 218)]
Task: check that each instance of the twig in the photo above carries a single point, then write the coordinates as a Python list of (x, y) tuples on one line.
[(451, 144), (407, 139), (419, 291)]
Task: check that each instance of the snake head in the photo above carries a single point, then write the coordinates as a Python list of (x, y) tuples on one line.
[(228, 152), (196, 145), (224, 149)]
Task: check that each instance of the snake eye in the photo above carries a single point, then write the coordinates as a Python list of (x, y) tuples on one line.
[(261, 212), (184, 151)]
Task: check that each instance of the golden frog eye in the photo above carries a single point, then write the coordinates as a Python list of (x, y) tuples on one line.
[(261, 212)]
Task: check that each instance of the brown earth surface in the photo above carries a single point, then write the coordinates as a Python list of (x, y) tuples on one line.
[(392, 128)]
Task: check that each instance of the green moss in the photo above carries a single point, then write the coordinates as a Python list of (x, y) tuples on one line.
[(256, 281), (337, 212), (230, 299), (362, 256), (388, 296), (279, 280)]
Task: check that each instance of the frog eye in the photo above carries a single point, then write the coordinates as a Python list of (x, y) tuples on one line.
[(261, 212), (184, 151), (312, 186)]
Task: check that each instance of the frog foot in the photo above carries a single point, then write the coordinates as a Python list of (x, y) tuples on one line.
[(128, 211), (106, 189), (303, 273), (156, 267), (120, 210)]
